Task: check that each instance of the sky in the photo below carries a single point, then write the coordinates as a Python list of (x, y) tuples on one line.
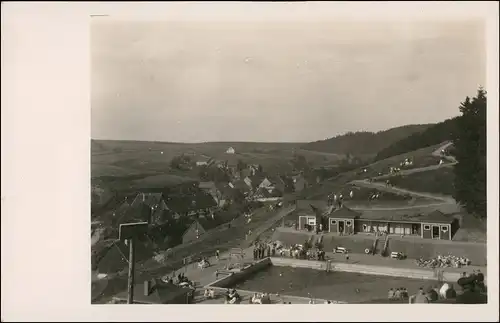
[(268, 80)]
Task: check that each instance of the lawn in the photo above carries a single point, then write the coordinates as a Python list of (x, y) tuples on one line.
[(438, 181), (421, 158)]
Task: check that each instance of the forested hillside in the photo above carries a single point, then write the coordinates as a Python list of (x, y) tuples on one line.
[(363, 142)]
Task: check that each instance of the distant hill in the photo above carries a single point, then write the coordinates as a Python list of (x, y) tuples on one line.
[(364, 143), (433, 135)]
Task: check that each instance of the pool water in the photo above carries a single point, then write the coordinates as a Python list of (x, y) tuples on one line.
[(338, 286)]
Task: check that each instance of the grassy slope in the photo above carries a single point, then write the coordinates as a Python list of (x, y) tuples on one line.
[(435, 181), (421, 158)]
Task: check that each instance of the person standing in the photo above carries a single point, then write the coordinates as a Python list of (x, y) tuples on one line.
[(217, 255)]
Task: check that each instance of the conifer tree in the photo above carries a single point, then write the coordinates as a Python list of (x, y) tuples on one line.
[(470, 152)]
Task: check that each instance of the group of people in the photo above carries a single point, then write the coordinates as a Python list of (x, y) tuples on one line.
[(398, 293), (476, 278), (433, 294), (181, 279), (209, 293), (232, 297), (260, 298), (262, 250), (472, 285), (444, 261), (203, 263)]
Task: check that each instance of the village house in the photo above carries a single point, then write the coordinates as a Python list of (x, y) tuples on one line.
[(155, 291), (211, 188), (253, 182), (193, 232), (197, 204), (145, 207), (204, 161)]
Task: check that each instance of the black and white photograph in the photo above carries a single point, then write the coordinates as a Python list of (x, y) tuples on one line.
[(294, 162), (277, 153)]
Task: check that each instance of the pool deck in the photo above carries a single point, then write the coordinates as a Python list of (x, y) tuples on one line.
[(204, 277)]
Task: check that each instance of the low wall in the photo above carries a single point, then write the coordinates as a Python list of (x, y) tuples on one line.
[(366, 269), (236, 277)]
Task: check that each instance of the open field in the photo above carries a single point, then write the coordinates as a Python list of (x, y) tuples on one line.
[(148, 155), (134, 164)]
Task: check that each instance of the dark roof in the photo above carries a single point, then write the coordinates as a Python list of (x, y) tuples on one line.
[(306, 204), (161, 293), (241, 185), (257, 179), (197, 225), (437, 217), (207, 185), (245, 172), (187, 203), (433, 217), (116, 257), (226, 191), (344, 213), (264, 193), (149, 199), (135, 213)]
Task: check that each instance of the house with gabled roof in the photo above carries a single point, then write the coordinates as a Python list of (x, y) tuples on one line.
[(190, 205), (155, 291), (193, 232)]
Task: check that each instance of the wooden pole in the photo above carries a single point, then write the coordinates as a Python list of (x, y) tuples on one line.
[(131, 266)]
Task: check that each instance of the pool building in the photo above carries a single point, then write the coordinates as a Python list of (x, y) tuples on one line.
[(345, 221)]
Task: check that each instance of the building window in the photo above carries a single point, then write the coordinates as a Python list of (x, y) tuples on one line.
[(348, 223), (427, 227), (333, 222), (444, 228), (364, 227)]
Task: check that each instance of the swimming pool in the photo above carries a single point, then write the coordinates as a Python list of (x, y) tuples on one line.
[(338, 286)]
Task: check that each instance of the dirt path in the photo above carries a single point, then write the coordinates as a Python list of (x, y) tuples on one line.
[(445, 200), (437, 153), (398, 190)]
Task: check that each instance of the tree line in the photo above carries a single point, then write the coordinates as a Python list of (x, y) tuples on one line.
[(469, 140)]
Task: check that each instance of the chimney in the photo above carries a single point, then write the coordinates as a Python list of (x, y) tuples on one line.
[(147, 287)]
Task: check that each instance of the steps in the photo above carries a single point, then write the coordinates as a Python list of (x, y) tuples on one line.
[(375, 245), (386, 246)]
